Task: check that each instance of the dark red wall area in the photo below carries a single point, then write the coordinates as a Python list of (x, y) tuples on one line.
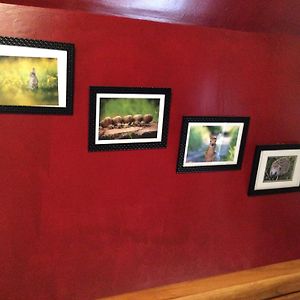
[(255, 15), (80, 225)]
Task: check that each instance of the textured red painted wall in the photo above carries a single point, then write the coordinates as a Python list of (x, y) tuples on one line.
[(80, 225)]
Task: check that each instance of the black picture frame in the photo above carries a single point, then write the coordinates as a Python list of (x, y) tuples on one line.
[(152, 104), (275, 169), (37, 76), (205, 143)]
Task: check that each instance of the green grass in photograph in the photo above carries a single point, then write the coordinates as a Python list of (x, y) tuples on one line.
[(28, 81), (121, 107), (197, 137)]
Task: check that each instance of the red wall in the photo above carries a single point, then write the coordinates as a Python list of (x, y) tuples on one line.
[(80, 225)]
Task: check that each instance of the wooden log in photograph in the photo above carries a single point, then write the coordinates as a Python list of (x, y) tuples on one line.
[(134, 132)]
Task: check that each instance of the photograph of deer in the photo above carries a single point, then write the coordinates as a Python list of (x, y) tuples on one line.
[(36, 76), (276, 169), (211, 143)]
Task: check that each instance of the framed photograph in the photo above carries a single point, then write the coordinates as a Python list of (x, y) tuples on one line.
[(276, 169), (212, 143), (36, 76), (124, 118)]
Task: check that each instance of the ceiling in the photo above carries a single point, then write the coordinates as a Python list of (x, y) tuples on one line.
[(278, 16)]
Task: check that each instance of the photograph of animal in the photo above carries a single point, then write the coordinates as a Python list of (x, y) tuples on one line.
[(279, 168), (210, 153), (28, 81), (33, 80), (211, 144), (128, 118)]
